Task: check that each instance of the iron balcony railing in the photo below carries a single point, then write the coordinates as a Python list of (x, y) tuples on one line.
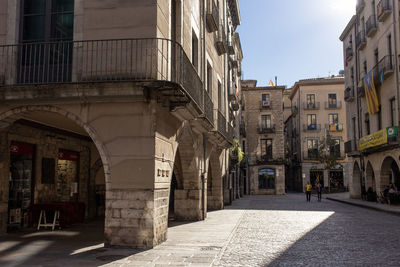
[(311, 154), (311, 105), (208, 108), (351, 146), (349, 53), (311, 127), (221, 123), (221, 40), (265, 104), (100, 61), (370, 26), (337, 127), (242, 129), (230, 134), (349, 94), (385, 65), (212, 16), (384, 8), (265, 129), (337, 105), (361, 41)]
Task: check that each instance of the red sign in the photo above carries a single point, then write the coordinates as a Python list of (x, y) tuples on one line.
[(68, 155), (22, 149)]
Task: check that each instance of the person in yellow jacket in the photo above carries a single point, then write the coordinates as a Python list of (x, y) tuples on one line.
[(308, 191)]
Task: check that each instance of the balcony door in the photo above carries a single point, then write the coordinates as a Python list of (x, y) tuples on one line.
[(311, 101), (266, 122), (46, 34)]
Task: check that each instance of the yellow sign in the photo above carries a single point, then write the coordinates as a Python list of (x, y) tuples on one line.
[(375, 139)]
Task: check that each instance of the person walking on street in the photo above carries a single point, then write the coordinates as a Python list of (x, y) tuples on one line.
[(308, 191), (319, 191)]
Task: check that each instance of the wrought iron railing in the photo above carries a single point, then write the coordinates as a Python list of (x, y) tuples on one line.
[(336, 127), (221, 123), (351, 146), (311, 127), (311, 105), (337, 105), (383, 8), (385, 65), (208, 108), (370, 25), (361, 41), (264, 129), (100, 61)]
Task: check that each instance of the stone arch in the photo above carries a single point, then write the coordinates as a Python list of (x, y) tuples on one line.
[(9, 117), (390, 173), (370, 177), (357, 182), (190, 197)]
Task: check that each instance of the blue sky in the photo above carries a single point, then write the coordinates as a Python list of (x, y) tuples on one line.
[(292, 39)]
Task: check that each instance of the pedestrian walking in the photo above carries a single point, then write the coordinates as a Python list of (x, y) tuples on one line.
[(308, 191), (319, 191)]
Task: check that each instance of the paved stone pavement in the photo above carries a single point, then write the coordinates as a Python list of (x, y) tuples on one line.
[(254, 231)]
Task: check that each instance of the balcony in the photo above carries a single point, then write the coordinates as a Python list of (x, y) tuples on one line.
[(361, 41), (385, 65), (221, 41), (384, 9), (208, 108), (221, 124), (269, 159), (337, 127), (311, 155), (265, 104), (381, 140), (349, 94), (360, 5), (152, 61), (337, 105), (351, 147), (370, 26), (295, 110), (311, 127), (231, 47), (349, 53), (212, 16), (311, 106), (266, 129)]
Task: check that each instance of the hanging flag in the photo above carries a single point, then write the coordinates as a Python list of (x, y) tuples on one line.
[(370, 93), (382, 77), (360, 83), (271, 83)]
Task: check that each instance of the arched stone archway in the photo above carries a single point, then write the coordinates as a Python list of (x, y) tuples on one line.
[(370, 177), (390, 173), (357, 182), (48, 141)]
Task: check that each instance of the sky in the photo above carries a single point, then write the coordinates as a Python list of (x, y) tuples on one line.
[(292, 39)]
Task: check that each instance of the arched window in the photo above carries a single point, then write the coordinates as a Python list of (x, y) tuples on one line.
[(266, 178)]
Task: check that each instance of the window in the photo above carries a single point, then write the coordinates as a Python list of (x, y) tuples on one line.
[(332, 101), (312, 148), (266, 100), (310, 101), (353, 121), (195, 51), (367, 124), (220, 97), (311, 121), (389, 40), (379, 115), (266, 179), (47, 20), (393, 111), (365, 67), (334, 149), (209, 79), (333, 118), (244, 146), (266, 122), (266, 148), (376, 55)]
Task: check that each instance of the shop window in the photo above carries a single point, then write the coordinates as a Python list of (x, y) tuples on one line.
[(266, 178), (67, 175), (20, 185)]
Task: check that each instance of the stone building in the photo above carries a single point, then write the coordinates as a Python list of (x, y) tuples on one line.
[(371, 49), (120, 105), (264, 142), (317, 110)]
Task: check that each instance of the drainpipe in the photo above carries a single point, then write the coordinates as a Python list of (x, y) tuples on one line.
[(203, 180)]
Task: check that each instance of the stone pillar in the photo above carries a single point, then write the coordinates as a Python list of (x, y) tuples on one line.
[(188, 205), (215, 198), (4, 178)]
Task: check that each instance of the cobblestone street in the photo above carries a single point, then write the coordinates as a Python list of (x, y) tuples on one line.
[(254, 231)]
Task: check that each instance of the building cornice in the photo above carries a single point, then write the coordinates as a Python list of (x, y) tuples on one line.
[(348, 28)]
